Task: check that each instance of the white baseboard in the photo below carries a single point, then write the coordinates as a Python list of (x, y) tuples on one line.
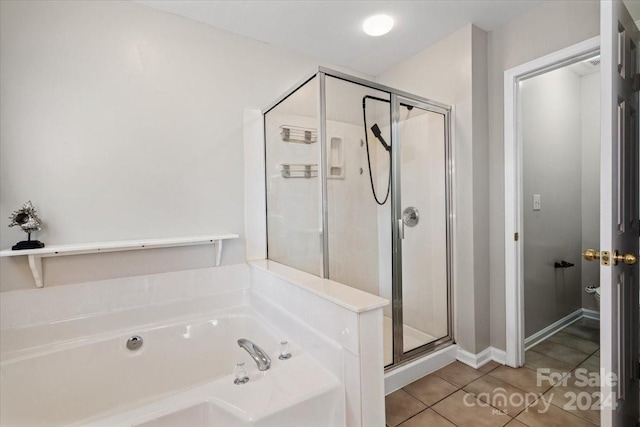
[(499, 356), (485, 356), (591, 314), (406, 374), (552, 329)]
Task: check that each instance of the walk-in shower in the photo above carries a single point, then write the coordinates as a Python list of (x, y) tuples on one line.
[(359, 180)]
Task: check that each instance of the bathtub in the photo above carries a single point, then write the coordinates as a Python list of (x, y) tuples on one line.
[(181, 375)]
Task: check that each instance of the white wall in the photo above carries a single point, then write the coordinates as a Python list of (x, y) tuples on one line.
[(551, 124), (123, 122), (548, 28), (590, 97), (445, 72)]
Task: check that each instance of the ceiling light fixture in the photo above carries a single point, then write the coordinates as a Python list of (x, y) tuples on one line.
[(378, 25)]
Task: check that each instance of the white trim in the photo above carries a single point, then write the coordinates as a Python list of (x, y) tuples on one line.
[(499, 356), (514, 295), (475, 360), (406, 374), (552, 329), (478, 360), (591, 314)]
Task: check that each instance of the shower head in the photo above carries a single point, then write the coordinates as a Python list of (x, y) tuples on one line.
[(378, 134)]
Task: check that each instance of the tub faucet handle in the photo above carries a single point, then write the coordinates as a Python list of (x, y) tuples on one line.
[(240, 372), (285, 352)]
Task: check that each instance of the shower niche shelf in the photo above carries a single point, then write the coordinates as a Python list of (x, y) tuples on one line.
[(35, 255), (335, 166)]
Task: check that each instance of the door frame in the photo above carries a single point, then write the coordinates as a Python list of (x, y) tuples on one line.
[(513, 181)]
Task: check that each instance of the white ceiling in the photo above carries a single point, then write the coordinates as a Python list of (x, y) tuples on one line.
[(332, 30)]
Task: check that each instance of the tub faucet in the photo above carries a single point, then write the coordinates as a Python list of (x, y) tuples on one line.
[(256, 353)]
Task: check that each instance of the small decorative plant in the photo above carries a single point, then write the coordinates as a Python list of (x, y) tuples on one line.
[(28, 221)]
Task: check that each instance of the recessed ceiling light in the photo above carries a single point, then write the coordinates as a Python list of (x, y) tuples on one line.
[(378, 25)]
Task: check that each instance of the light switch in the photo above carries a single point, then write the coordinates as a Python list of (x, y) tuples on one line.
[(536, 202)]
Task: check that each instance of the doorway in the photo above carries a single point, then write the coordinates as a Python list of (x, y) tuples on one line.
[(545, 158), (559, 124)]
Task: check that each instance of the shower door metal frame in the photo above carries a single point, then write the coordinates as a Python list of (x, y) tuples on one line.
[(396, 97), (401, 357)]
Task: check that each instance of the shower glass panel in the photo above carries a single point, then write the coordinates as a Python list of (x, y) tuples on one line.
[(292, 160), (344, 159), (358, 164), (424, 211)]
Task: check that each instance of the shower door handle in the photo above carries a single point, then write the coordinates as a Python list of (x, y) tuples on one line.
[(401, 228)]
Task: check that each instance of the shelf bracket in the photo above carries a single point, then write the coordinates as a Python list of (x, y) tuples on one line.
[(35, 263), (218, 250)]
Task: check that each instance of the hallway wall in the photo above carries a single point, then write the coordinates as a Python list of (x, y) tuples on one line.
[(551, 122)]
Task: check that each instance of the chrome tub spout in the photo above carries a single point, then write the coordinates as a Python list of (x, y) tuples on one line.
[(257, 354)]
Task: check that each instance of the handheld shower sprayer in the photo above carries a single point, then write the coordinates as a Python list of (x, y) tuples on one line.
[(378, 134)]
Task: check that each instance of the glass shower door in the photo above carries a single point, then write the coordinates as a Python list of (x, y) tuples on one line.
[(422, 215)]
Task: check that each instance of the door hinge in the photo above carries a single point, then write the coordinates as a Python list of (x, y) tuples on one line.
[(516, 236)]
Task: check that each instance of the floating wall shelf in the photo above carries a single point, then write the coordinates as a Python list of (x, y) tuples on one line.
[(35, 255)]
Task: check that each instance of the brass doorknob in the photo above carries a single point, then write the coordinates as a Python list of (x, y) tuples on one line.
[(628, 259), (591, 255)]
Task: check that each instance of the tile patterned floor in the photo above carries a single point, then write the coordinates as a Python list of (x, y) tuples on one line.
[(495, 395)]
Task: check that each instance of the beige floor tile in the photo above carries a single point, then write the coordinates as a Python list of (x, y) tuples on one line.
[(574, 401), (522, 378), (592, 364), (516, 423), (573, 341), (459, 374), (583, 332), (427, 418), (501, 395), (537, 361), (489, 367), (560, 352), (583, 379), (597, 353), (400, 406), (430, 389), (464, 410), (544, 414)]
